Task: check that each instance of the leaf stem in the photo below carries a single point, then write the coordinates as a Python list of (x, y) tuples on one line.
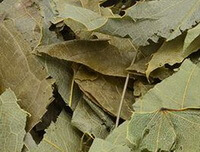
[(122, 99)]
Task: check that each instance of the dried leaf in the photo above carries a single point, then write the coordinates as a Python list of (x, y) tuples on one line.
[(22, 72), (91, 53), (145, 21), (63, 74), (167, 117), (60, 136), (105, 91), (104, 146), (26, 17), (88, 18), (86, 120)]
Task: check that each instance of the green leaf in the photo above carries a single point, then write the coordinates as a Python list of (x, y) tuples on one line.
[(23, 73), (91, 53), (78, 28), (145, 20), (60, 136), (170, 52), (167, 117), (179, 91), (12, 123), (191, 43), (104, 146), (166, 130), (175, 51), (118, 135)]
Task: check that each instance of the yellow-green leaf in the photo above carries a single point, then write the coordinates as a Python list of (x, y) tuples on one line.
[(12, 123), (61, 136)]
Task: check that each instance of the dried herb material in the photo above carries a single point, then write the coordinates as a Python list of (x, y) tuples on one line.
[(99, 75)]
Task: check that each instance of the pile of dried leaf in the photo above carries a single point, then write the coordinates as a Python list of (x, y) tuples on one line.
[(72, 70)]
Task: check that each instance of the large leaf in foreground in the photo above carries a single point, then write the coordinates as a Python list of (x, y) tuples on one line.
[(60, 136), (146, 21), (101, 145), (12, 123), (166, 130), (22, 72), (99, 55), (168, 117)]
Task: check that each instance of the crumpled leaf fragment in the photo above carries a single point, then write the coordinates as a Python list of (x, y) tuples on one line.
[(48, 13), (91, 53), (78, 28), (23, 73), (141, 88), (192, 39), (12, 123), (60, 136), (145, 21), (101, 145), (175, 51), (86, 120), (105, 91), (61, 71), (170, 52), (143, 57)]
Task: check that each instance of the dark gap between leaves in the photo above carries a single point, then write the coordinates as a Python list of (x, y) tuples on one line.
[(53, 111), (64, 31)]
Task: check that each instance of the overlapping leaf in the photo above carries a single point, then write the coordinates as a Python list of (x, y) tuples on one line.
[(95, 54), (90, 19), (22, 72), (175, 51), (86, 120), (146, 21), (61, 71), (60, 136), (105, 91)]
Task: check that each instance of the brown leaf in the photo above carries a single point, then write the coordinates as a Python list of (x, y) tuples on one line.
[(20, 71), (105, 91), (99, 55)]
